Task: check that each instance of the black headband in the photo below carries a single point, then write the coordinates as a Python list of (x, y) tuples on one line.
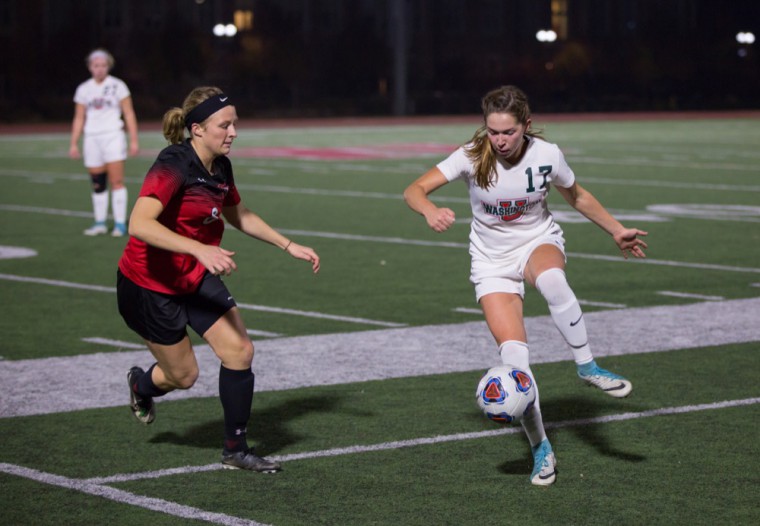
[(206, 108)]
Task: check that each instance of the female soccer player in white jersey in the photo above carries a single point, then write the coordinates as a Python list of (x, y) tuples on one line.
[(99, 104), (508, 170)]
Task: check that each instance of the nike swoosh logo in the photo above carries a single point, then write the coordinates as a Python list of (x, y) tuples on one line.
[(576, 322), (223, 99)]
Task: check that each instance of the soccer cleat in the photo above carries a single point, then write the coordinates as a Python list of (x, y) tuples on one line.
[(248, 460), (119, 230), (143, 409), (610, 383), (544, 464), (98, 229)]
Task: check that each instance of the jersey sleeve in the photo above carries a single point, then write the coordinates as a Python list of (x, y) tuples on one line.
[(164, 179), (565, 176), (456, 165), (232, 198), (122, 91), (79, 95)]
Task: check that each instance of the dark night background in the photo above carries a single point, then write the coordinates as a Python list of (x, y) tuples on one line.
[(317, 58)]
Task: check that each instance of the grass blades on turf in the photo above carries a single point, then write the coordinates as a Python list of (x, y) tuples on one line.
[(692, 184), (631, 469)]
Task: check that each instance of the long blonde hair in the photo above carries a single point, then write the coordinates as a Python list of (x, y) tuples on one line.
[(506, 99), (174, 118)]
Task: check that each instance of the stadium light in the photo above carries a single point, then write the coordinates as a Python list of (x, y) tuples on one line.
[(546, 35), (745, 37), (225, 30)]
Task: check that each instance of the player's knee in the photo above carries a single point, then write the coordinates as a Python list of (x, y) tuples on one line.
[(245, 351), (185, 379), (99, 182), (553, 286)]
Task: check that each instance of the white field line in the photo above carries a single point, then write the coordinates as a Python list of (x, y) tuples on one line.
[(458, 437), (246, 306), (602, 304), (703, 297), (320, 315), (263, 334), (381, 353), (418, 242), (113, 343), (311, 167), (125, 497)]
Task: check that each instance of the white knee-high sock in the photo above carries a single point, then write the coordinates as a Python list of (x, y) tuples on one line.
[(100, 206), (566, 312), (516, 353), (119, 205)]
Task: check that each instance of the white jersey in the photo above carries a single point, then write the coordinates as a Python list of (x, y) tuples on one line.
[(513, 211), (102, 104)]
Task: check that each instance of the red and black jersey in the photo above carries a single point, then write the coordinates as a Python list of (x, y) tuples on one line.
[(193, 201)]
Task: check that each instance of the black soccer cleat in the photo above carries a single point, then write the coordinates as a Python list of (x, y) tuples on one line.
[(143, 409), (248, 460)]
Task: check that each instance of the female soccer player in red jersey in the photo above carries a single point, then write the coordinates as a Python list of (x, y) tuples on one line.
[(169, 273)]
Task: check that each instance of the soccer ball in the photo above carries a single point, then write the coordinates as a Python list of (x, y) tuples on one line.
[(506, 393)]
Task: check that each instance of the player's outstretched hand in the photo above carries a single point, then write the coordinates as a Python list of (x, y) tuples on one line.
[(440, 219), (628, 242), (305, 253), (217, 260)]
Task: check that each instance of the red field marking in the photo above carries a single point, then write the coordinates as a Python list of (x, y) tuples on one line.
[(384, 151), (64, 127)]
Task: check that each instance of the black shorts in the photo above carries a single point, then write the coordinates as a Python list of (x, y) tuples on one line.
[(163, 318)]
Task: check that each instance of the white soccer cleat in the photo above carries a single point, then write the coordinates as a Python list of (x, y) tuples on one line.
[(98, 229), (611, 383), (544, 465), (119, 230)]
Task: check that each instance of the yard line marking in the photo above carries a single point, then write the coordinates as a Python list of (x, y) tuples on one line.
[(604, 304), (681, 264), (57, 283), (688, 295), (439, 439), (379, 354), (125, 497), (374, 239), (467, 310), (312, 314), (113, 343), (262, 308), (44, 210), (418, 242), (263, 334)]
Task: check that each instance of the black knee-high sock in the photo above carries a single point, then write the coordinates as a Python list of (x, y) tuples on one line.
[(236, 395), (145, 386)]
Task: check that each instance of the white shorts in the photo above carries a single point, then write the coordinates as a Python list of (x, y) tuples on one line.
[(103, 148), (507, 275)]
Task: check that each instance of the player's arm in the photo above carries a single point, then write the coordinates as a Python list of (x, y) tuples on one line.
[(77, 125), (251, 224), (130, 120), (585, 203), (416, 197), (144, 225)]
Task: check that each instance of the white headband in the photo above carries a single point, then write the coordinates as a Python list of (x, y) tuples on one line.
[(99, 53)]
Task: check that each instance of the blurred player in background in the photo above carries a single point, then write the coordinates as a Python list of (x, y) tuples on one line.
[(508, 169), (169, 273), (99, 105)]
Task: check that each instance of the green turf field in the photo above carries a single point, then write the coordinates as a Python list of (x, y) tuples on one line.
[(398, 443)]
